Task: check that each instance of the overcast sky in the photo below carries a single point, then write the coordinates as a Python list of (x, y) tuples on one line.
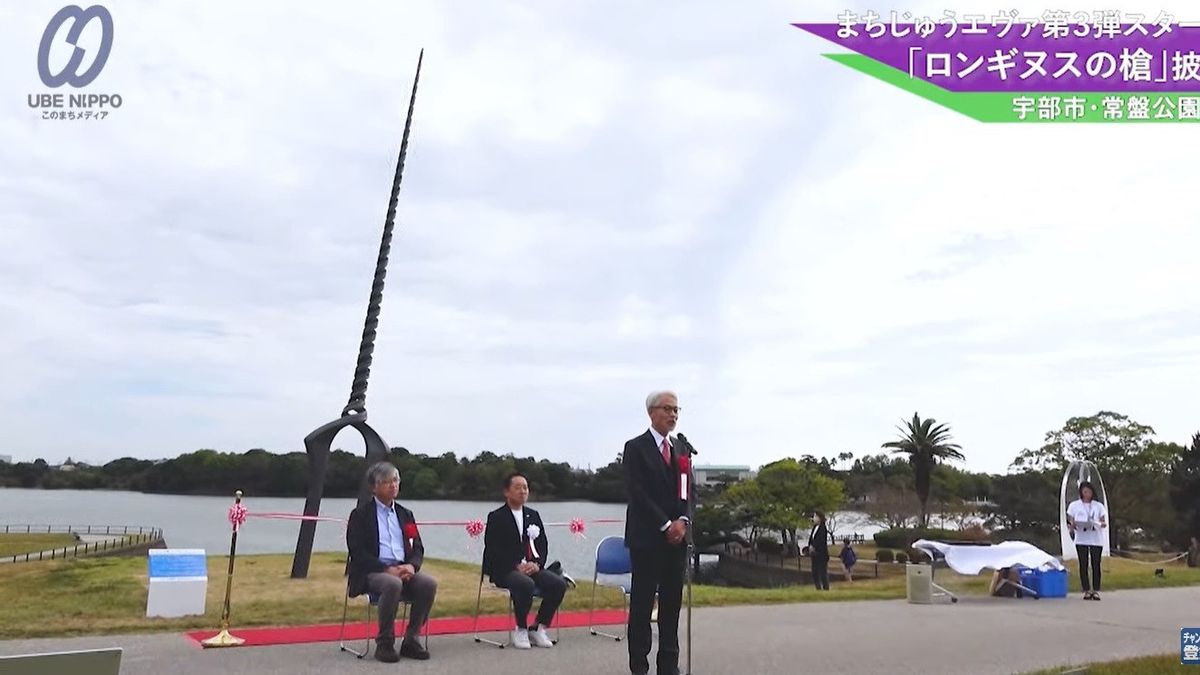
[(601, 199)]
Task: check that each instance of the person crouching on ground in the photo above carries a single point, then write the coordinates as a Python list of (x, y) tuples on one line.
[(386, 554), (514, 557)]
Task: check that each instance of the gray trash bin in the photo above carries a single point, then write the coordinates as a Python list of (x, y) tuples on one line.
[(919, 583)]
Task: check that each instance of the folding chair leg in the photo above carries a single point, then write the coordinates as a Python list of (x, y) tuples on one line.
[(592, 607), (478, 605), (342, 634), (625, 605), (592, 610)]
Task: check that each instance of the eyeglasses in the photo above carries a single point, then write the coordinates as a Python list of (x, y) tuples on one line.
[(669, 408)]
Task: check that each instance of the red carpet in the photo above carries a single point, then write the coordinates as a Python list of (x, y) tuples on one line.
[(358, 630)]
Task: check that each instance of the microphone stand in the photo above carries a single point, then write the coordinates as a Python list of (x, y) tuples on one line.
[(691, 542)]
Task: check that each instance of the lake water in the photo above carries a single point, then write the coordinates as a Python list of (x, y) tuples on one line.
[(200, 522)]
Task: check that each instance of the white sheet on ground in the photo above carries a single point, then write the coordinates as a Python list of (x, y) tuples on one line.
[(971, 560)]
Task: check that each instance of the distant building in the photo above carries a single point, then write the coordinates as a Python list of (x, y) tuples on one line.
[(715, 474), (5, 459)]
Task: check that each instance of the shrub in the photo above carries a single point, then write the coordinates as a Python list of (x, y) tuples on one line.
[(1047, 539), (884, 555), (902, 557), (768, 544), (974, 532), (903, 537)]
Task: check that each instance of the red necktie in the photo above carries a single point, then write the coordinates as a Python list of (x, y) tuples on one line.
[(666, 451)]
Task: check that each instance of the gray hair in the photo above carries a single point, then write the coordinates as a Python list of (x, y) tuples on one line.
[(381, 471), (656, 396)]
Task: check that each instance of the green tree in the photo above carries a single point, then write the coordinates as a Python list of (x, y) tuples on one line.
[(1185, 493), (792, 491), (424, 484), (1025, 501), (748, 502), (926, 443), (1132, 467)]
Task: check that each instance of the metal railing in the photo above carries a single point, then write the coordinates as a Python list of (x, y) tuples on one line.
[(79, 529), (140, 535), (754, 555)]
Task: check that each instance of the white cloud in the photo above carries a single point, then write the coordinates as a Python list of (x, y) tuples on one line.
[(600, 200)]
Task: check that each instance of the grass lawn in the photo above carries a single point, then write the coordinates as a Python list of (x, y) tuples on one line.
[(108, 595), (1167, 664), (14, 544)]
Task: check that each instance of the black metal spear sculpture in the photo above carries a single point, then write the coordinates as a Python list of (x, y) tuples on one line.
[(317, 443)]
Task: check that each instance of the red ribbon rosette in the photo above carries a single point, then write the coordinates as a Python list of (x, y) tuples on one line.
[(237, 516), (577, 526), (474, 528), (685, 465), (411, 533)]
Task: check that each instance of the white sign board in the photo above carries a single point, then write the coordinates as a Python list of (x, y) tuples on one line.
[(178, 582)]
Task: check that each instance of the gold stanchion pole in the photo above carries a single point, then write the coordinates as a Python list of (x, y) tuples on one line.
[(224, 639)]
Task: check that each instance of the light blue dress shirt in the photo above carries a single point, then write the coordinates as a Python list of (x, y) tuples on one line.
[(391, 537)]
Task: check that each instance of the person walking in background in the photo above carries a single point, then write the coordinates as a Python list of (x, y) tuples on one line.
[(848, 558), (1087, 519), (818, 547)]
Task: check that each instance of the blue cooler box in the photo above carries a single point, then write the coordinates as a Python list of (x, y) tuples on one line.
[(1046, 583)]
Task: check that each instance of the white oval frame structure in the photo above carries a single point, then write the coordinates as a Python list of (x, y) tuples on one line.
[(1076, 473)]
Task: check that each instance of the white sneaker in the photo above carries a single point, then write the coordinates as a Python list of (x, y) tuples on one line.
[(520, 638), (540, 638)]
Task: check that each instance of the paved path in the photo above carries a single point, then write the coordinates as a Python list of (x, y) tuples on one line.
[(977, 636)]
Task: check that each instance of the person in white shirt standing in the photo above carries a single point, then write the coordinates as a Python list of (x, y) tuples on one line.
[(1087, 520)]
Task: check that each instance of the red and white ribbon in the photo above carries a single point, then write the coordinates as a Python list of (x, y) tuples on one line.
[(237, 516), (532, 532), (684, 470), (577, 526), (474, 528)]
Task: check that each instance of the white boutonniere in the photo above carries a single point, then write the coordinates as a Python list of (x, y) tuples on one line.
[(533, 531)]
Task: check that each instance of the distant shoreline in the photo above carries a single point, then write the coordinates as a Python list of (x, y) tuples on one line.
[(497, 499)]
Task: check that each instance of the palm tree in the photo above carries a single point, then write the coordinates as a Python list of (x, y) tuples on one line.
[(925, 442)]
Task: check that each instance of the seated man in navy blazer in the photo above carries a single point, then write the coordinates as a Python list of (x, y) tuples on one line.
[(514, 557), (385, 558)]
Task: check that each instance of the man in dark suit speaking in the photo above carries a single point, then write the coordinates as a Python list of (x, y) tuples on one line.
[(656, 523)]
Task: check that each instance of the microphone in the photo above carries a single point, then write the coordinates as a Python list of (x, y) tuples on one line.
[(688, 444)]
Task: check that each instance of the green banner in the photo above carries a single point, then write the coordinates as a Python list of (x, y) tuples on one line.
[(1038, 107)]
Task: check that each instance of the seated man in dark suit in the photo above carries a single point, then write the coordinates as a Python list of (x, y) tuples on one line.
[(514, 557), (385, 557)]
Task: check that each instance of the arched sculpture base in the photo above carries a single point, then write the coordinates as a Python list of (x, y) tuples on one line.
[(317, 445)]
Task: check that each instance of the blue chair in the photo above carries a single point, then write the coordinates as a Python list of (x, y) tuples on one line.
[(537, 593), (612, 559), (372, 601)]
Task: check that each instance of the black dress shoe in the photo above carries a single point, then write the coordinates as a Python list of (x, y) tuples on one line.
[(386, 652), (411, 649)]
